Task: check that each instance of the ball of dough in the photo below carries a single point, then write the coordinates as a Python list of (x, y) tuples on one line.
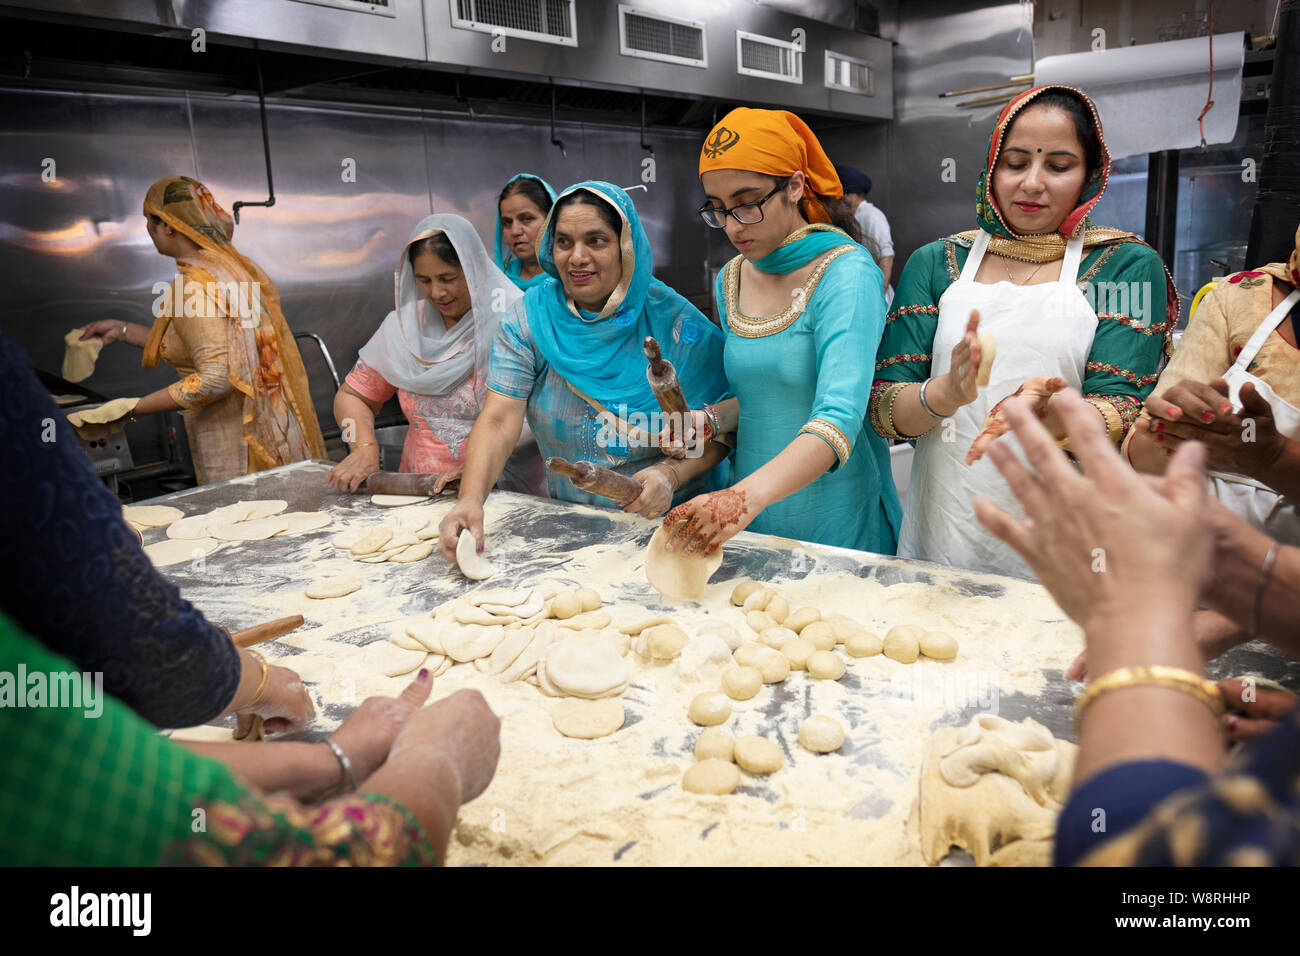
[(863, 644), (744, 655), (938, 645), (758, 621), (709, 708), (758, 755), (820, 634), (714, 743), (758, 600), (712, 776), (565, 605), (665, 641), (743, 590), (843, 626), (777, 637), (901, 644), (742, 683), (590, 599), (826, 665), (821, 734), (798, 620), (797, 652), (773, 665), (778, 609)]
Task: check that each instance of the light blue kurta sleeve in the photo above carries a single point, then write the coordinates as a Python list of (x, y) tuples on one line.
[(514, 365), (848, 314)]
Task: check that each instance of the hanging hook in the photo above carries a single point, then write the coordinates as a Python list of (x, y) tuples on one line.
[(555, 140), (266, 143)]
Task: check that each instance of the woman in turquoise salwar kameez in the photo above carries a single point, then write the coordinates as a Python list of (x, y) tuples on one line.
[(803, 310), (522, 208), (568, 360)]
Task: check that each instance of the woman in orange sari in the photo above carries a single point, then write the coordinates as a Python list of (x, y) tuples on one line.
[(242, 389)]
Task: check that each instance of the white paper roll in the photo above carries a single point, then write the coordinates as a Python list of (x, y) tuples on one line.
[(1149, 96)]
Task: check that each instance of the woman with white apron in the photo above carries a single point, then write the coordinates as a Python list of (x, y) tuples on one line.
[(1252, 450), (1045, 284)]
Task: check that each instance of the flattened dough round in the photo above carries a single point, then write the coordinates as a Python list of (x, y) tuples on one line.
[(152, 516), (396, 501), (103, 414), (333, 587), (676, 575), (587, 719), (303, 521), (586, 666), (254, 530), (415, 552), (714, 743), (176, 550), (712, 776), (758, 755), (472, 564)]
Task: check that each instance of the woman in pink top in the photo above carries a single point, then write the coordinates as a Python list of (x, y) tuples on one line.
[(432, 351)]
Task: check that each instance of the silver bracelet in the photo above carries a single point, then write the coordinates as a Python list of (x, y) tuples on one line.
[(926, 405), (1265, 574), (343, 759)]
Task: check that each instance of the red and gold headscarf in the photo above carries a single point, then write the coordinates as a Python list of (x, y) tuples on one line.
[(775, 143)]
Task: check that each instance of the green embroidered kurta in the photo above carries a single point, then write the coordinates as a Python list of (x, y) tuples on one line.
[(1126, 281)]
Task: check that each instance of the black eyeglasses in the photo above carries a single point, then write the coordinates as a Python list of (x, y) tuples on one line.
[(715, 217)]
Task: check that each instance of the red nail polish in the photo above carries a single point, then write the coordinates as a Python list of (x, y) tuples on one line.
[(424, 673), (1224, 409), (1232, 723), (1208, 417), (1160, 426), (1174, 412), (1168, 452), (1160, 438)]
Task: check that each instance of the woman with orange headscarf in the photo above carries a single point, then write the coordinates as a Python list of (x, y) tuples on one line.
[(803, 309), (242, 389)]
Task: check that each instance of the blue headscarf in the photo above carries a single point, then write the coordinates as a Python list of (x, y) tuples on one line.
[(600, 354), (501, 252)]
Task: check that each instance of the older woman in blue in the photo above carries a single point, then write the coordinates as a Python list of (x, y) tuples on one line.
[(522, 208), (568, 359), (803, 308)]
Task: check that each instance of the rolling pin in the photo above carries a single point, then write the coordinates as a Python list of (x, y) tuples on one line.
[(398, 483), (266, 632), (663, 382), (597, 480)]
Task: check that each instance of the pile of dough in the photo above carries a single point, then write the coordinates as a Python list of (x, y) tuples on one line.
[(583, 665), (79, 356), (402, 541), (676, 575), (993, 788), (248, 521)]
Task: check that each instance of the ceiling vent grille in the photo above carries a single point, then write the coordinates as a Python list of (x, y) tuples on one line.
[(654, 36), (769, 58), (849, 74), (549, 21), (383, 8)]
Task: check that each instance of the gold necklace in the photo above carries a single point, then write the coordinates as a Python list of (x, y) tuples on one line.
[(1027, 278)]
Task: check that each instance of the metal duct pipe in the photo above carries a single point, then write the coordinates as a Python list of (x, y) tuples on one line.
[(1277, 200)]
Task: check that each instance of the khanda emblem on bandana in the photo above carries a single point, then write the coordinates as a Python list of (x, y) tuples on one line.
[(720, 142)]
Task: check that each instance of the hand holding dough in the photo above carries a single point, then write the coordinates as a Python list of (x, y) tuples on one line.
[(677, 575), (1035, 392), (472, 564)]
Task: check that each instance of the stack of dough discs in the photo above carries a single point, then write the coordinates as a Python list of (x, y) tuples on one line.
[(586, 666), (587, 719)]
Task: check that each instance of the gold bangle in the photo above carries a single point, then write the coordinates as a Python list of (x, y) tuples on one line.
[(362, 444), (266, 673), (1206, 691)]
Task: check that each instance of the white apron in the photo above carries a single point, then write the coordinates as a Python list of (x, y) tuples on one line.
[(1264, 508), (1044, 329)]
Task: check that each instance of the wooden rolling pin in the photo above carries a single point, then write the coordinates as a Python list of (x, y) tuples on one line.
[(663, 381), (399, 483), (266, 632), (597, 480)]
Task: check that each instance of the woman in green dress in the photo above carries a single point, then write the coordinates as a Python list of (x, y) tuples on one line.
[(803, 310)]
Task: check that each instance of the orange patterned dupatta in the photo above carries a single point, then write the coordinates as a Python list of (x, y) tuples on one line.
[(279, 421)]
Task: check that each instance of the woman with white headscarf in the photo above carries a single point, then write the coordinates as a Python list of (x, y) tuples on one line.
[(432, 351)]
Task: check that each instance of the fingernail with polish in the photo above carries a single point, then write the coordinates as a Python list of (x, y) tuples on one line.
[(1208, 417), (1160, 426), (424, 673), (1160, 437), (1224, 409), (1232, 723)]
